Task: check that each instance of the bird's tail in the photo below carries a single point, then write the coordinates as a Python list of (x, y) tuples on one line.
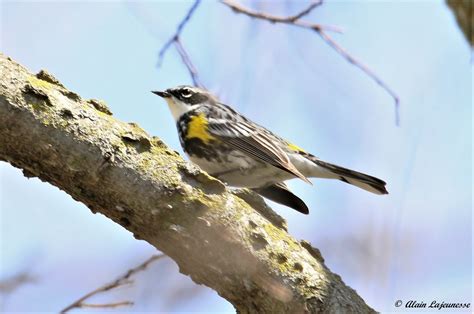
[(280, 193), (361, 180)]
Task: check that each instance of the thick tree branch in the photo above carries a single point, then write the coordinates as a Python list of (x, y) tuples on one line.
[(221, 240), (463, 10)]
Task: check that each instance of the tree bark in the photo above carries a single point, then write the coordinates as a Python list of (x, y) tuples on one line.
[(463, 11), (229, 241)]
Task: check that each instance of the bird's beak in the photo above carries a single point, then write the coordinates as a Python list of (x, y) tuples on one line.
[(162, 94)]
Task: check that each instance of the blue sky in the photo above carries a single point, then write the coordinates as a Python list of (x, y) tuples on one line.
[(415, 243)]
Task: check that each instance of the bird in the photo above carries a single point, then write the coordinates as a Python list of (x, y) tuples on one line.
[(241, 153)]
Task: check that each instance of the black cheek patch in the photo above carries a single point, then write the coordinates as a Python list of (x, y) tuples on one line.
[(196, 99)]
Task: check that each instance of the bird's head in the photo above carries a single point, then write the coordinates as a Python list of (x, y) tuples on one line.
[(182, 99)]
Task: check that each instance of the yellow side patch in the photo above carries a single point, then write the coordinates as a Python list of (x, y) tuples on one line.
[(295, 148), (197, 128)]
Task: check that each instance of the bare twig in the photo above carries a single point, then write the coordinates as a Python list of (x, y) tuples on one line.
[(120, 281), (107, 305), (365, 69), (306, 11), (175, 39), (292, 19), (188, 63), (176, 35), (321, 30)]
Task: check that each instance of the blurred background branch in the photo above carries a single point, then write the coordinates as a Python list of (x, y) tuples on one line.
[(119, 282), (294, 20), (188, 63), (321, 30), (10, 285), (291, 20), (175, 39)]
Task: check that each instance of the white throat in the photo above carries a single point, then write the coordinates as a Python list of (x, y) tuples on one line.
[(178, 108)]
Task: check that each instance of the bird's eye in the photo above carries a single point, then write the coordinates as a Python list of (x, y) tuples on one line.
[(186, 93)]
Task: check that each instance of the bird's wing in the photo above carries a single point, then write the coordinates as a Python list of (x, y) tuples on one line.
[(253, 142)]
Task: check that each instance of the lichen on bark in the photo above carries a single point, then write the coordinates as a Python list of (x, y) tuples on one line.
[(228, 240)]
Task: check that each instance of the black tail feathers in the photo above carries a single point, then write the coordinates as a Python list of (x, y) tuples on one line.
[(279, 193), (361, 180)]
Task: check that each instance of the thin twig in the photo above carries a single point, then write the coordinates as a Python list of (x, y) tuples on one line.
[(175, 39), (120, 281), (176, 35), (365, 69), (107, 305), (292, 19), (321, 30), (306, 11), (187, 62)]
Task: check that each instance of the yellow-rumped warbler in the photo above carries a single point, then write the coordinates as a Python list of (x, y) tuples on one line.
[(242, 153)]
